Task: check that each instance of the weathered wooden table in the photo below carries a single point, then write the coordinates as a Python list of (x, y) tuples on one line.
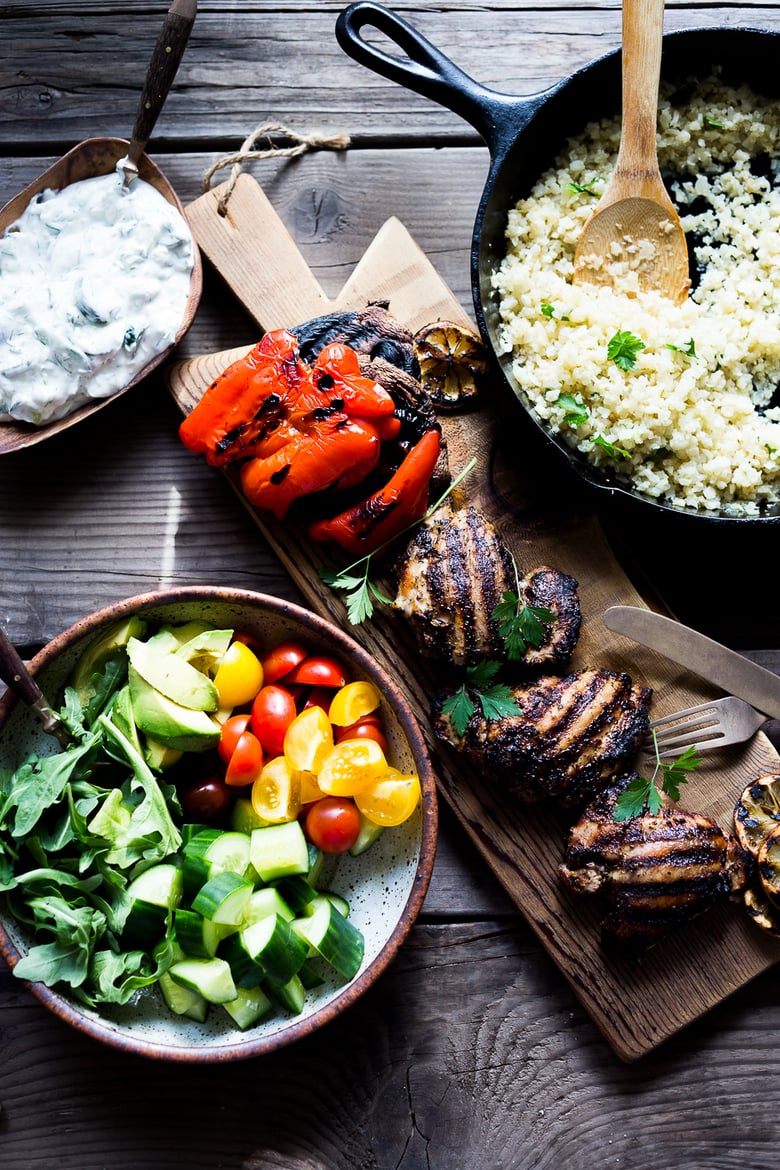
[(471, 1051)]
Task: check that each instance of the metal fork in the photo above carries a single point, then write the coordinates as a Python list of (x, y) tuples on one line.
[(710, 725)]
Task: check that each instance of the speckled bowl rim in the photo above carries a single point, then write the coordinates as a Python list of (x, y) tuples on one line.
[(296, 1029)]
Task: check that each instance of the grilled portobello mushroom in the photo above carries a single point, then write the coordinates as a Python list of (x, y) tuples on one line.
[(571, 736), (654, 872)]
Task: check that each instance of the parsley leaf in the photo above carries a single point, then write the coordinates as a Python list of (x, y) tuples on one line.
[(641, 794), (623, 347), (585, 188), (688, 351), (520, 625), (611, 449), (576, 411), (495, 699), (713, 122)]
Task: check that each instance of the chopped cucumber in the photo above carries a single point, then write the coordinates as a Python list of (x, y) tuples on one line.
[(224, 898), (341, 904), (184, 1001), (268, 949), (279, 850), (199, 936), (249, 1006), (367, 835), (211, 978), (333, 936), (267, 900), (291, 995), (297, 891), (152, 896), (214, 851), (243, 817)]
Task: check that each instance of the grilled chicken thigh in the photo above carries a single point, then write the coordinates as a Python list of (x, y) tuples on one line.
[(570, 738), (452, 576), (655, 872)]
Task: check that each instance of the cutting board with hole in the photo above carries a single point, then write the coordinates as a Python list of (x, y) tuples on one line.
[(637, 1005)]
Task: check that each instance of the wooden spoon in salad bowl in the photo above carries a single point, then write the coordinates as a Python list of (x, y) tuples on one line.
[(102, 156), (634, 240)]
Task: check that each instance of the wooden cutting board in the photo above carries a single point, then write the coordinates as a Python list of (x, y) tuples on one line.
[(636, 1004)]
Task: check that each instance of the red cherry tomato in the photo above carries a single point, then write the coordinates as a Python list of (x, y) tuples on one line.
[(246, 763), (251, 641), (319, 697), (280, 661), (273, 710), (332, 824), (366, 728), (232, 730), (318, 671), (205, 800)]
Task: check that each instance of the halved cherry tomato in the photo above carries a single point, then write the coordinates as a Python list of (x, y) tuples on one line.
[(333, 824), (232, 730), (319, 697), (353, 701), (310, 789), (350, 766), (254, 643), (308, 740), (273, 710), (367, 728), (239, 676), (391, 799), (282, 658), (246, 763), (276, 793), (318, 671)]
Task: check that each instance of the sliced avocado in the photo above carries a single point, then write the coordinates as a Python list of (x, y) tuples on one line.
[(158, 756), (169, 723), (187, 630), (205, 649), (172, 676), (98, 652)]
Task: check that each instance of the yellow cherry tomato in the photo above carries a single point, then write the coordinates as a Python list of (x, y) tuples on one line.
[(276, 793), (308, 740), (239, 676), (310, 789), (352, 702), (391, 799), (350, 766)]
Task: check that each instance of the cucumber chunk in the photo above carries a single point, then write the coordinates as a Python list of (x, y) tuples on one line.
[(367, 835), (211, 978), (224, 898), (291, 995), (268, 949), (267, 900), (214, 851), (249, 1006), (152, 896), (184, 1001), (333, 936), (279, 850), (198, 936)]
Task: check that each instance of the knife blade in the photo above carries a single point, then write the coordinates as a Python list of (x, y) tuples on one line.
[(727, 669)]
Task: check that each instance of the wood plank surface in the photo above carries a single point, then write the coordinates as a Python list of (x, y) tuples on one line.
[(637, 1006)]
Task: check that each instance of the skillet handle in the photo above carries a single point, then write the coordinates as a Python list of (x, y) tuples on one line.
[(496, 116)]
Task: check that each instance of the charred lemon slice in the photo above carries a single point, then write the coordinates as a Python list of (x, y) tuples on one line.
[(762, 912), (453, 364), (769, 865), (757, 812)]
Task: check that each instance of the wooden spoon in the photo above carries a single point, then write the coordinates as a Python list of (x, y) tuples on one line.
[(100, 156), (635, 230)]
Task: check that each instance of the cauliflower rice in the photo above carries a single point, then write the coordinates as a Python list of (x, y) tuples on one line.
[(691, 426)]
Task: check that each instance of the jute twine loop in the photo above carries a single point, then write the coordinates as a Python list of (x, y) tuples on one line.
[(247, 153)]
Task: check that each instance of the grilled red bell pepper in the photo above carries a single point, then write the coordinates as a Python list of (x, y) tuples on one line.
[(331, 451), (403, 500)]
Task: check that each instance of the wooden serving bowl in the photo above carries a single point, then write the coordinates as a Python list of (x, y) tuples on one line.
[(385, 886)]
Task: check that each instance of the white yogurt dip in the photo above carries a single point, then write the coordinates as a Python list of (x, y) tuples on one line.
[(94, 282)]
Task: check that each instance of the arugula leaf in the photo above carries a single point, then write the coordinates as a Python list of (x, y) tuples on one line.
[(623, 348), (40, 782), (641, 794), (496, 701)]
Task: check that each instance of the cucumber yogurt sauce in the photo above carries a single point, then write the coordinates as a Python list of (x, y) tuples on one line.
[(94, 281)]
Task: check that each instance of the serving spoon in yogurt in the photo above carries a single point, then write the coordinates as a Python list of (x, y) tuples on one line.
[(100, 157), (634, 240)]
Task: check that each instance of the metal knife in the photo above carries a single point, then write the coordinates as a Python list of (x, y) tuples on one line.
[(728, 670)]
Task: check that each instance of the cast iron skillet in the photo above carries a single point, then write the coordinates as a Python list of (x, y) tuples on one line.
[(524, 135)]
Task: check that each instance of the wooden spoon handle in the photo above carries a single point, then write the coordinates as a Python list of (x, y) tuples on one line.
[(15, 675), (643, 22), (162, 70)]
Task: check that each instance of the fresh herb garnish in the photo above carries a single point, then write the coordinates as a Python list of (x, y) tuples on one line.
[(611, 449), (643, 794), (549, 311), (688, 351), (495, 699), (520, 625), (585, 188), (355, 580), (576, 412), (713, 122), (623, 348)]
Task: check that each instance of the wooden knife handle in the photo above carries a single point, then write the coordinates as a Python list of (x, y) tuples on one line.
[(162, 70), (16, 676)]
